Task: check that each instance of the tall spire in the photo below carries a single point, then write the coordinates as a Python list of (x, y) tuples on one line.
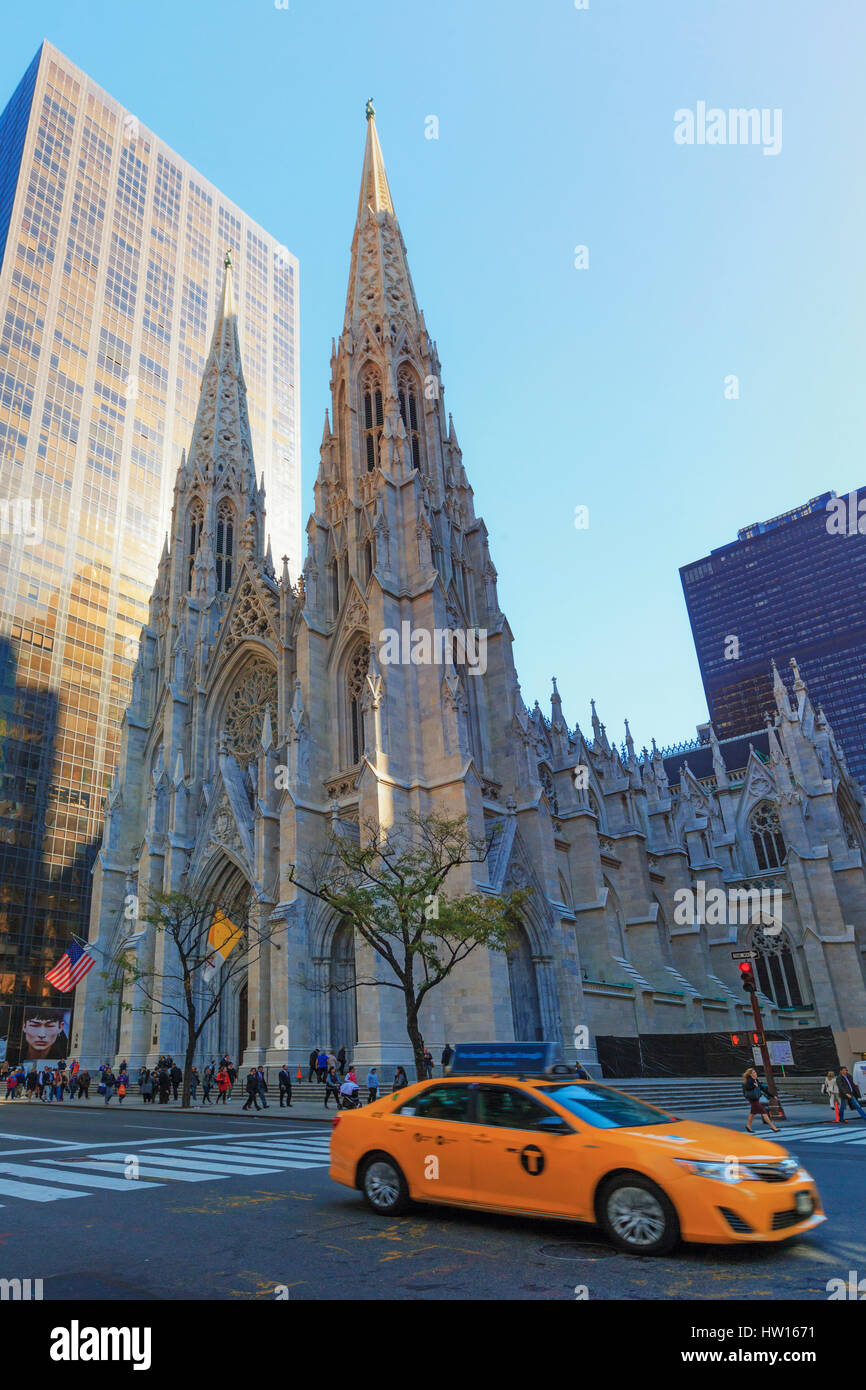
[(380, 285), (221, 444)]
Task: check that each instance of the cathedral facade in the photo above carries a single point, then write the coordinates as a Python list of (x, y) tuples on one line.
[(263, 717)]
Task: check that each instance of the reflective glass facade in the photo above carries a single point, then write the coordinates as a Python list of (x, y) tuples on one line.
[(112, 264), (790, 587)]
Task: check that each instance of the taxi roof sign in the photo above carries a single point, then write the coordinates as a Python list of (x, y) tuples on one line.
[(509, 1058)]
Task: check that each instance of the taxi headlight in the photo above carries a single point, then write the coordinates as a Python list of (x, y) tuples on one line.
[(722, 1172)]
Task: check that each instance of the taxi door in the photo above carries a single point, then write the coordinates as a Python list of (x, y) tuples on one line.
[(517, 1165), (430, 1136)]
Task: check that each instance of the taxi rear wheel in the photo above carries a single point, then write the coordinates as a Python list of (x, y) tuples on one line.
[(384, 1186), (637, 1216)]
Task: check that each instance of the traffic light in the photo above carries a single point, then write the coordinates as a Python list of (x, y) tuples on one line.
[(735, 1039), (747, 977)]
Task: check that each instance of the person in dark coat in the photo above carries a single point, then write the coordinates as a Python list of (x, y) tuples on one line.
[(332, 1087), (285, 1084), (163, 1082), (176, 1078), (754, 1092), (447, 1054), (341, 1061), (252, 1085), (263, 1086), (849, 1093)]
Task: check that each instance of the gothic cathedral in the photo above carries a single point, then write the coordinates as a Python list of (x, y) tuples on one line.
[(243, 673)]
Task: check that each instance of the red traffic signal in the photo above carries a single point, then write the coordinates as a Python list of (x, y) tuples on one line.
[(735, 1039), (747, 977)]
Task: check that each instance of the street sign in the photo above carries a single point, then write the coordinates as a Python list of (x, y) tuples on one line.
[(744, 955)]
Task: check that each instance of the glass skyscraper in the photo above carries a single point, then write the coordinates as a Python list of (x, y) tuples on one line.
[(793, 586), (112, 254)]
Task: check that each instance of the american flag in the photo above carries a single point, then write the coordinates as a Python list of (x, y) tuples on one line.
[(72, 966)]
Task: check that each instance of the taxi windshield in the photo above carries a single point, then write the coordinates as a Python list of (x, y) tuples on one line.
[(603, 1108)]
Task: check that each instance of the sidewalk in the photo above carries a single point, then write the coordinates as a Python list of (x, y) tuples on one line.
[(300, 1110)]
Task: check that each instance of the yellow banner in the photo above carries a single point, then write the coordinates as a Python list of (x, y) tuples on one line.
[(223, 935)]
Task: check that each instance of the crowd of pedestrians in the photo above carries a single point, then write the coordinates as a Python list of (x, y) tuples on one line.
[(53, 1081)]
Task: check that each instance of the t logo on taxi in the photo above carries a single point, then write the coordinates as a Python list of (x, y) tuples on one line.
[(532, 1160)]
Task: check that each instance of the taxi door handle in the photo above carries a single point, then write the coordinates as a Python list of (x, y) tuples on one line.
[(480, 1140), (397, 1129)]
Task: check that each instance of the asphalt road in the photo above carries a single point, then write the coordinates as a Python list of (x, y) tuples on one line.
[(208, 1218)]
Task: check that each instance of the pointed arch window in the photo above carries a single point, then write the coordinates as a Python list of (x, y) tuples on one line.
[(194, 533), (374, 419), (369, 559), (225, 545), (776, 971), (407, 391), (357, 673), (767, 839), (333, 588)]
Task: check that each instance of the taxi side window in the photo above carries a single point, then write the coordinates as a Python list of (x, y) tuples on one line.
[(509, 1109), (439, 1103)]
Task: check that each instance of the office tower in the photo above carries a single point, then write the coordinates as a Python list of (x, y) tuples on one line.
[(112, 252), (793, 586)]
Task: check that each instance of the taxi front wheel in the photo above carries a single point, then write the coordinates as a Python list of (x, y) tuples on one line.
[(637, 1216), (384, 1186)]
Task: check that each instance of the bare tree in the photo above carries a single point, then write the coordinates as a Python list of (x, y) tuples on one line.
[(391, 889), (192, 977)]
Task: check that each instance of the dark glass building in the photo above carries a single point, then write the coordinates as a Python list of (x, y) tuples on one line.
[(793, 586)]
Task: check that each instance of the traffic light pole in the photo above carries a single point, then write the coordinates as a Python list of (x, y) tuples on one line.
[(776, 1111)]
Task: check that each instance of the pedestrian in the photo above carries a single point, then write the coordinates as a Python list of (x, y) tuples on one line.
[(223, 1085), (207, 1084), (285, 1083), (400, 1080), (372, 1086), (428, 1064), (447, 1054), (754, 1092), (849, 1093), (11, 1084), (109, 1081), (321, 1067), (32, 1083), (830, 1088), (263, 1086), (332, 1060), (176, 1078), (46, 1084), (84, 1084), (194, 1080), (252, 1086), (332, 1087), (163, 1081), (122, 1086), (142, 1077), (341, 1060), (349, 1093), (314, 1058), (145, 1086)]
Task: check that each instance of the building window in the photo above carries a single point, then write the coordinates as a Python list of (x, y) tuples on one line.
[(777, 974), (357, 674), (369, 560), (374, 419), (196, 525), (225, 543), (333, 589), (407, 392), (767, 839)]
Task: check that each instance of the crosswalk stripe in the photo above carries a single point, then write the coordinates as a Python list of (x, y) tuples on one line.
[(858, 1137), (202, 1163), (58, 1174), (266, 1159), (149, 1170), (277, 1149), (35, 1192)]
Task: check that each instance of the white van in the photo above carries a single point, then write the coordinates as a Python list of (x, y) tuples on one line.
[(858, 1071)]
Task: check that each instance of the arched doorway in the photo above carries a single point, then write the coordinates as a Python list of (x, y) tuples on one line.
[(343, 1001), (525, 1007)]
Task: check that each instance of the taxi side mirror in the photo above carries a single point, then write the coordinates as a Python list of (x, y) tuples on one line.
[(552, 1124)]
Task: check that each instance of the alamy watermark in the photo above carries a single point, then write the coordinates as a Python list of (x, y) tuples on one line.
[(422, 646), (735, 907), (22, 516), (737, 126)]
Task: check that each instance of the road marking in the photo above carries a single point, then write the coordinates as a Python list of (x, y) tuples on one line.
[(53, 1170), (31, 1192), (200, 1163)]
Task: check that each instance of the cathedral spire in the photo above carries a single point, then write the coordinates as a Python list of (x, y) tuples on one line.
[(380, 286)]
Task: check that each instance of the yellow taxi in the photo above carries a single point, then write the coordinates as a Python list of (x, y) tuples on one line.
[(527, 1136)]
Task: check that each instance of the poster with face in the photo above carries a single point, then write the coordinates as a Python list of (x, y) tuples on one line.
[(45, 1034)]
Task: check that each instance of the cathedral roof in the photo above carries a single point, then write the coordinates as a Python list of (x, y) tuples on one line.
[(734, 751), (221, 438)]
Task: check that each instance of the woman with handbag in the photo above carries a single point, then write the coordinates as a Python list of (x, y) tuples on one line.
[(754, 1092)]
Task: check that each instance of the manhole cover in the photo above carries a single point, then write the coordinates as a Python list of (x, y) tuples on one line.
[(578, 1252)]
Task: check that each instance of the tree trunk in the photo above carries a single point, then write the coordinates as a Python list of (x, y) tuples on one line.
[(415, 1038), (187, 1067)]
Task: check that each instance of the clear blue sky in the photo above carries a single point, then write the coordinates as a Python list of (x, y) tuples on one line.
[(602, 387)]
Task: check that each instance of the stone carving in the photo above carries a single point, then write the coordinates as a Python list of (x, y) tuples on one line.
[(245, 712)]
